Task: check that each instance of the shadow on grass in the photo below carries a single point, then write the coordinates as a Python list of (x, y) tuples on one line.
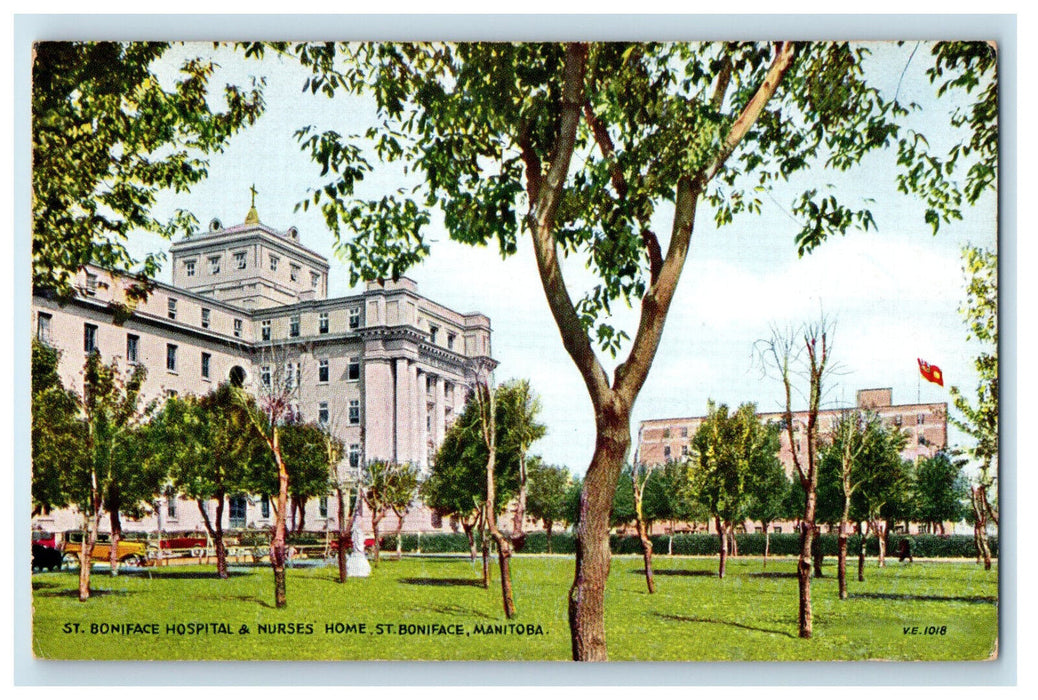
[(727, 623), (985, 599), (178, 575), (476, 583), (774, 574), (456, 610), (74, 593), (245, 599), (676, 572)]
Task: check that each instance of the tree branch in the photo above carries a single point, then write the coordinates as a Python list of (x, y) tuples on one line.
[(542, 222)]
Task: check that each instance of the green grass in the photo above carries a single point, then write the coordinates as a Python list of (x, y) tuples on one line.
[(750, 615)]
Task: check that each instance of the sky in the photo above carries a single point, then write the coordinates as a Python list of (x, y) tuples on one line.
[(893, 293)]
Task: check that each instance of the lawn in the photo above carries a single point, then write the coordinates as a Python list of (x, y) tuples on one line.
[(750, 615)]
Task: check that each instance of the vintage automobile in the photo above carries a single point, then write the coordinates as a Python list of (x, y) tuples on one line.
[(46, 539), (44, 557), (128, 552)]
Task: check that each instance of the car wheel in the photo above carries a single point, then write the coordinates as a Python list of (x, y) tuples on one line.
[(134, 560), (71, 561)]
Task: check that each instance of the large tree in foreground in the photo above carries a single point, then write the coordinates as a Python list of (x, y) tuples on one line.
[(491, 130), (108, 137)]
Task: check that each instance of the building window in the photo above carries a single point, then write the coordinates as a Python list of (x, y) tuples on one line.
[(322, 322), (293, 273), (132, 345), (189, 268), (240, 260), (265, 506), (897, 420), (171, 308), (666, 433), (433, 330), (91, 284), (236, 512), (265, 376), (322, 413), (322, 371), (273, 263), (684, 450), (450, 341), (237, 328), (354, 456), (354, 318), (89, 337), (354, 412), (353, 369), (322, 506), (43, 328), (206, 315), (171, 357), (666, 451), (291, 375), (293, 327), (214, 265), (920, 419), (265, 330), (922, 440), (206, 357), (777, 529), (171, 507), (315, 280), (684, 432)]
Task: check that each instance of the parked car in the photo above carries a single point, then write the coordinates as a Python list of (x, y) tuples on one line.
[(44, 557), (129, 551), (47, 539)]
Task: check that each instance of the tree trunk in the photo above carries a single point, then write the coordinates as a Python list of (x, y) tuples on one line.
[(485, 551), (399, 531), (376, 519), (881, 539), (519, 517), (216, 532), (767, 542), (587, 594), (841, 565), (817, 555), (646, 554), (299, 513), (86, 551), (807, 532), (117, 530), (734, 547), (547, 526), (980, 525), (467, 528), (341, 548), (722, 534), (277, 544), (861, 552)]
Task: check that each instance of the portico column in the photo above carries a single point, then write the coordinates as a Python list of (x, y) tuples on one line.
[(438, 412), (421, 396), (403, 411)]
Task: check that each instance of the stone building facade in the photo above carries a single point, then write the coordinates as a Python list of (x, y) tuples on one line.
[(926, 424), (386, 369)]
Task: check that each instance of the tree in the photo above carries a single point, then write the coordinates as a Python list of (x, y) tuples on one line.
[(726, 447), (883, 487), (940, 491), (58, 434), (979, 418), (305, 450), (518, 406), (850, 438), (108, 137), (641, 474), (805, 353), (111, 413), (767, 486), (491, 130), (388, 486), (546, 494), (207, 444), (455, 485)]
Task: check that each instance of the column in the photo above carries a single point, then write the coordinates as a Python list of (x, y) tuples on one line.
[(402, 419), (438, 412), (377, 416), (422, 449)]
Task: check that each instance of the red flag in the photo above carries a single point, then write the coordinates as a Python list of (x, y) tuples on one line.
[(931, 373)]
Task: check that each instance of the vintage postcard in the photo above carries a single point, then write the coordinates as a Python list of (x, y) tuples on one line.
[(515, 351)]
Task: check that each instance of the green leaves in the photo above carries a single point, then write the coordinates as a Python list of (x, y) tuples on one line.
[(107, 138)]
